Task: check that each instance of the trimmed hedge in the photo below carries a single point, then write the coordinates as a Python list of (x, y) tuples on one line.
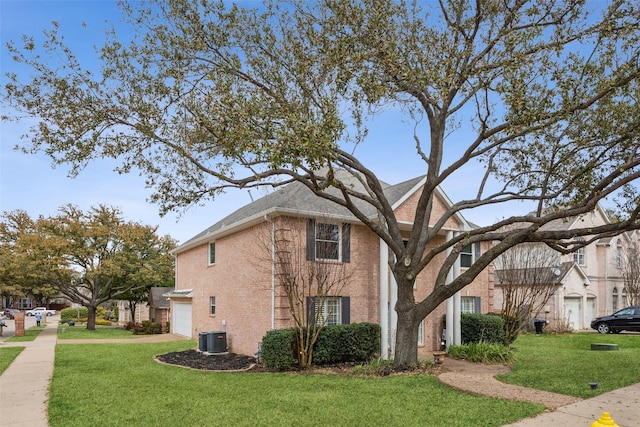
[(277, 349), (482, 328), (356, 342), (72, 314)]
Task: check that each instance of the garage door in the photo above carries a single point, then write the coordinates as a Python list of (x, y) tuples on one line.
[(182, 319), (573, 312)]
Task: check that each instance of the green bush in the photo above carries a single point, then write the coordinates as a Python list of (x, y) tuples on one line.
[(101, 313), (358, 342), (277, 349), (103, 322), (482, 352), (67, 314), (482, 328)]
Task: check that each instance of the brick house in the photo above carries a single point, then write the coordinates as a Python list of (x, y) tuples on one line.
[(225, 274), (589, 281)]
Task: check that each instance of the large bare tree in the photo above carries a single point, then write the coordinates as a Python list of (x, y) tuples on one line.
[(207, 96), (311, 287), (527, 276)]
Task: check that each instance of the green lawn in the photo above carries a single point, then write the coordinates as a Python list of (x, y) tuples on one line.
[(66, 332), (121, 385), (29, 334), (566, 364), (7, 355)]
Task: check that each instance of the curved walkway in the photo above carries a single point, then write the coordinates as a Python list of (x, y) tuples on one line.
[(622, 404), (480, 379)]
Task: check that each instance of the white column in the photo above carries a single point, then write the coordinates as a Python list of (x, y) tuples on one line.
[(457, 330), (450, 304), (384, 300), (393, 314)]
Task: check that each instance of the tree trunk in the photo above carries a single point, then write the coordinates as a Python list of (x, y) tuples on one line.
[(132, 310), (406, 353), (91, 318)]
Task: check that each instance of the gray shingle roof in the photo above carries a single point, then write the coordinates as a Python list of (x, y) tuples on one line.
[(158, 300), (296, 197)]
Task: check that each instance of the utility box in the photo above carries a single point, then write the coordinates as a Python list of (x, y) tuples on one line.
[(216, 342), (202, 341)]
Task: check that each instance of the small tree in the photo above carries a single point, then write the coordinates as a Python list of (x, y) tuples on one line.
[(628, 260), (528, 276), (308, 285)]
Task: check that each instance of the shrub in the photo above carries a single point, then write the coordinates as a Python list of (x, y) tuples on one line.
[(482, 328), (357, 342), (145, 328), (277, 349), (103, 322), (101, 313), (67, 314), (482, 352)]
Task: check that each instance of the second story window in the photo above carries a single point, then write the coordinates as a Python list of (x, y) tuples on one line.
[(466, 256), (212, 253), (212, 305), (326, 241), (579, 257)]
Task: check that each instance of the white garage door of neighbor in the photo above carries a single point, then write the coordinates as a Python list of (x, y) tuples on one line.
[(573, 312), (182, 319)]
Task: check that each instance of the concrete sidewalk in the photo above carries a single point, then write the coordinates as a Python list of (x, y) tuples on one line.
[(24, 385), (623, 405)]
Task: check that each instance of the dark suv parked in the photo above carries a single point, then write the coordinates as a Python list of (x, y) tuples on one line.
[(627, 319)]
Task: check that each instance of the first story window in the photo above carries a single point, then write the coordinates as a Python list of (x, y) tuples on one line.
[(212, 253), (614, 299), (212, 305), (329, 310), (470, 305), (421, 332)]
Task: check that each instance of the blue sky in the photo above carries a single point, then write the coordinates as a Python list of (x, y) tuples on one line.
[(29, 182)]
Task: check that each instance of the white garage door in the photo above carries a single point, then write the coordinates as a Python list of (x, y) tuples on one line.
[(573, 312), (182, 319)]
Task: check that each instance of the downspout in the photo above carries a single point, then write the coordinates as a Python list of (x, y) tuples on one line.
[(385, 349), (273, 271)]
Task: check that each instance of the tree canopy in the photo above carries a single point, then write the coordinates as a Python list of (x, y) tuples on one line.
[(208, 96), (89, 257)]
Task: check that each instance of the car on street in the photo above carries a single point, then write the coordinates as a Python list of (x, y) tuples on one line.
[(42, 310), (11, 312), (627, 319)]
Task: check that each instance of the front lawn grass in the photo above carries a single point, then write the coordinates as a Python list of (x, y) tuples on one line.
[(566, 364), (7, 355), (122, 385), (66, 332), (29, 334)]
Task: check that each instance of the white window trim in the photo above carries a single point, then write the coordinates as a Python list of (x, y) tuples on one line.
[(209, 253)]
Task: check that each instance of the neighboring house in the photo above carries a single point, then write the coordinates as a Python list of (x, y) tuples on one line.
[(159, 307), (589, 280), (156, 309), (225, 276)]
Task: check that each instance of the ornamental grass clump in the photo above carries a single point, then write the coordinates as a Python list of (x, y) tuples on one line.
[(482, 352)]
